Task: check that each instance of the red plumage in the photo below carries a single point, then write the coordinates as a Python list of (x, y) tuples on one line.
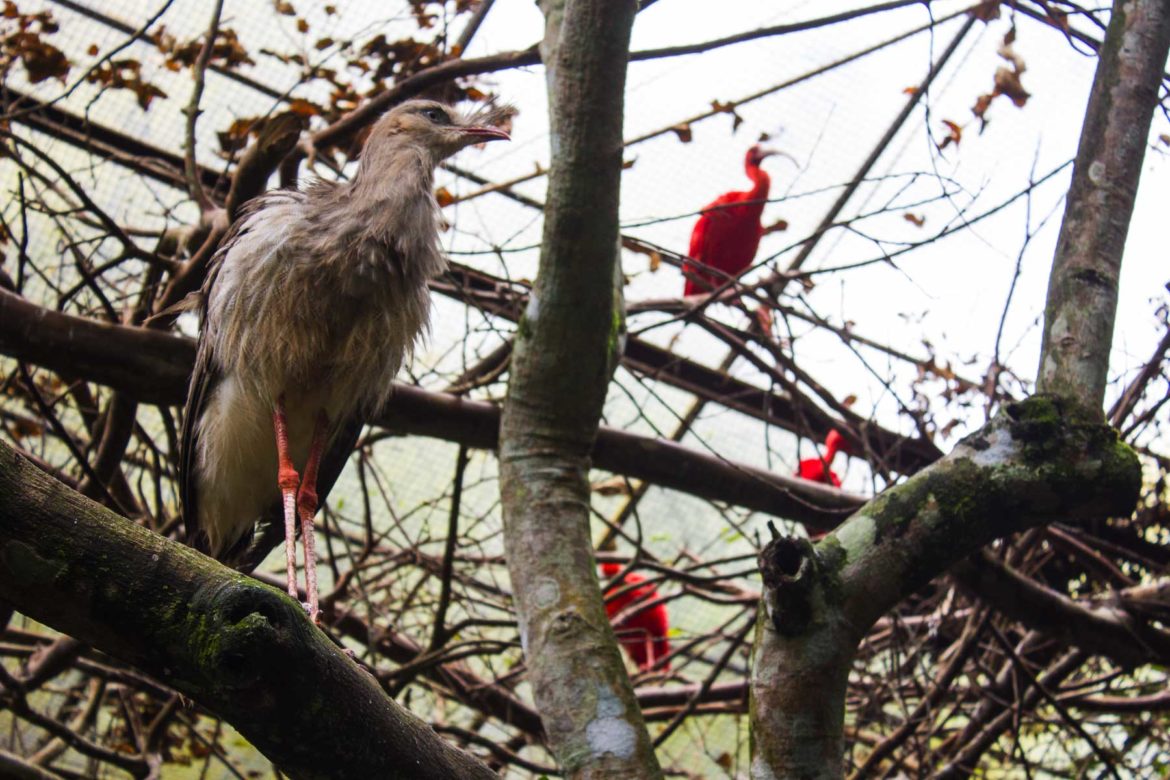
[(728, 232), (643, 633), (817, 469)]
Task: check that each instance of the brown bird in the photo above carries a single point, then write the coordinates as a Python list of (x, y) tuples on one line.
[(308, 310)]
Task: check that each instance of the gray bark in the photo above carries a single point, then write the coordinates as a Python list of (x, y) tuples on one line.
[(560, 371), (1082, 289)]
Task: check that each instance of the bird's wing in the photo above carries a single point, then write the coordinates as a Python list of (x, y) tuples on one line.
[(704, 246), (206, 374), (714, 213), (204, 378)]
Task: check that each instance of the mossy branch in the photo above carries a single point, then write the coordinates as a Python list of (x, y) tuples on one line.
[(1039, 460), (240, 648)]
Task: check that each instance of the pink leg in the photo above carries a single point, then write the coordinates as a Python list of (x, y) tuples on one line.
[(307, 506), (289, 481)]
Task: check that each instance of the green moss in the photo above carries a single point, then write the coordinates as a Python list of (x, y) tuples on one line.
[(892, 511), (831, 559), (523, 328)]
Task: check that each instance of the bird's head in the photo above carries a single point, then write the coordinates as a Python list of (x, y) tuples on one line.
[(756, 155), (438, 129)]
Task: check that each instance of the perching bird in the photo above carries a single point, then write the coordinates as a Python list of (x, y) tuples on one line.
[(644, 633), (817, 469), (309, 308), (728, 231)]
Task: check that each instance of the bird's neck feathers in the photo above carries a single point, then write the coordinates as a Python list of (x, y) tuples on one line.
[(760, 182), (392, 173)]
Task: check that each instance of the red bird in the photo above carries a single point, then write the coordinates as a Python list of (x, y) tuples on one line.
[(817, 469), (643, 633), (728, 231)]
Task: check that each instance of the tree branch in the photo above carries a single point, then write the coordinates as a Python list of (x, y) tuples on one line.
[(242, 649), (1106, 629), (154, 367), (1037, 461)]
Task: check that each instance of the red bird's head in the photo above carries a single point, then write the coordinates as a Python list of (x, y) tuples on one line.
[(756, 155)]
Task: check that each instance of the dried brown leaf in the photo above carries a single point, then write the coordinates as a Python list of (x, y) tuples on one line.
[(23, 428), (1007, 82), (954, 134), (614, 486), (986, 11), (304, 107)]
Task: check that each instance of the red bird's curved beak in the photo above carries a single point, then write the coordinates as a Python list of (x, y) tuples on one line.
[(486, 134)]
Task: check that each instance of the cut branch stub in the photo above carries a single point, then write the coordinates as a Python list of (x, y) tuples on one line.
[(790, 568)]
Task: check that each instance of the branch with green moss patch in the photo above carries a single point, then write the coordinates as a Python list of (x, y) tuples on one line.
[(1039, 460), (242, 649)]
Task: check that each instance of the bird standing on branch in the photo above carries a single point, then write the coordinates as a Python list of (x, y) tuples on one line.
[(308, 310), (817, 469), (728, 232), (644, 633)]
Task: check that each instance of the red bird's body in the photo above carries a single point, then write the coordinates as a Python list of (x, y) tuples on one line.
[(644, 632), (728, 232), (817, 469)]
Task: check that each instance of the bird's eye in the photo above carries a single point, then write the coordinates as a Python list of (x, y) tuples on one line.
[(437, 115)]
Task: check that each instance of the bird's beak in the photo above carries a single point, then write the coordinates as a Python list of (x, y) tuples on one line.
[(482, 134), (765, 152)]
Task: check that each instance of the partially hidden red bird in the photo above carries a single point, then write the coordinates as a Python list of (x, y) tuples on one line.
[(728, 232), (817, 469), (643, 634)]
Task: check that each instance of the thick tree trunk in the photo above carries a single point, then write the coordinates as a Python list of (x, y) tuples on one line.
[(1047, 458), (560, 371), (242, 649)]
